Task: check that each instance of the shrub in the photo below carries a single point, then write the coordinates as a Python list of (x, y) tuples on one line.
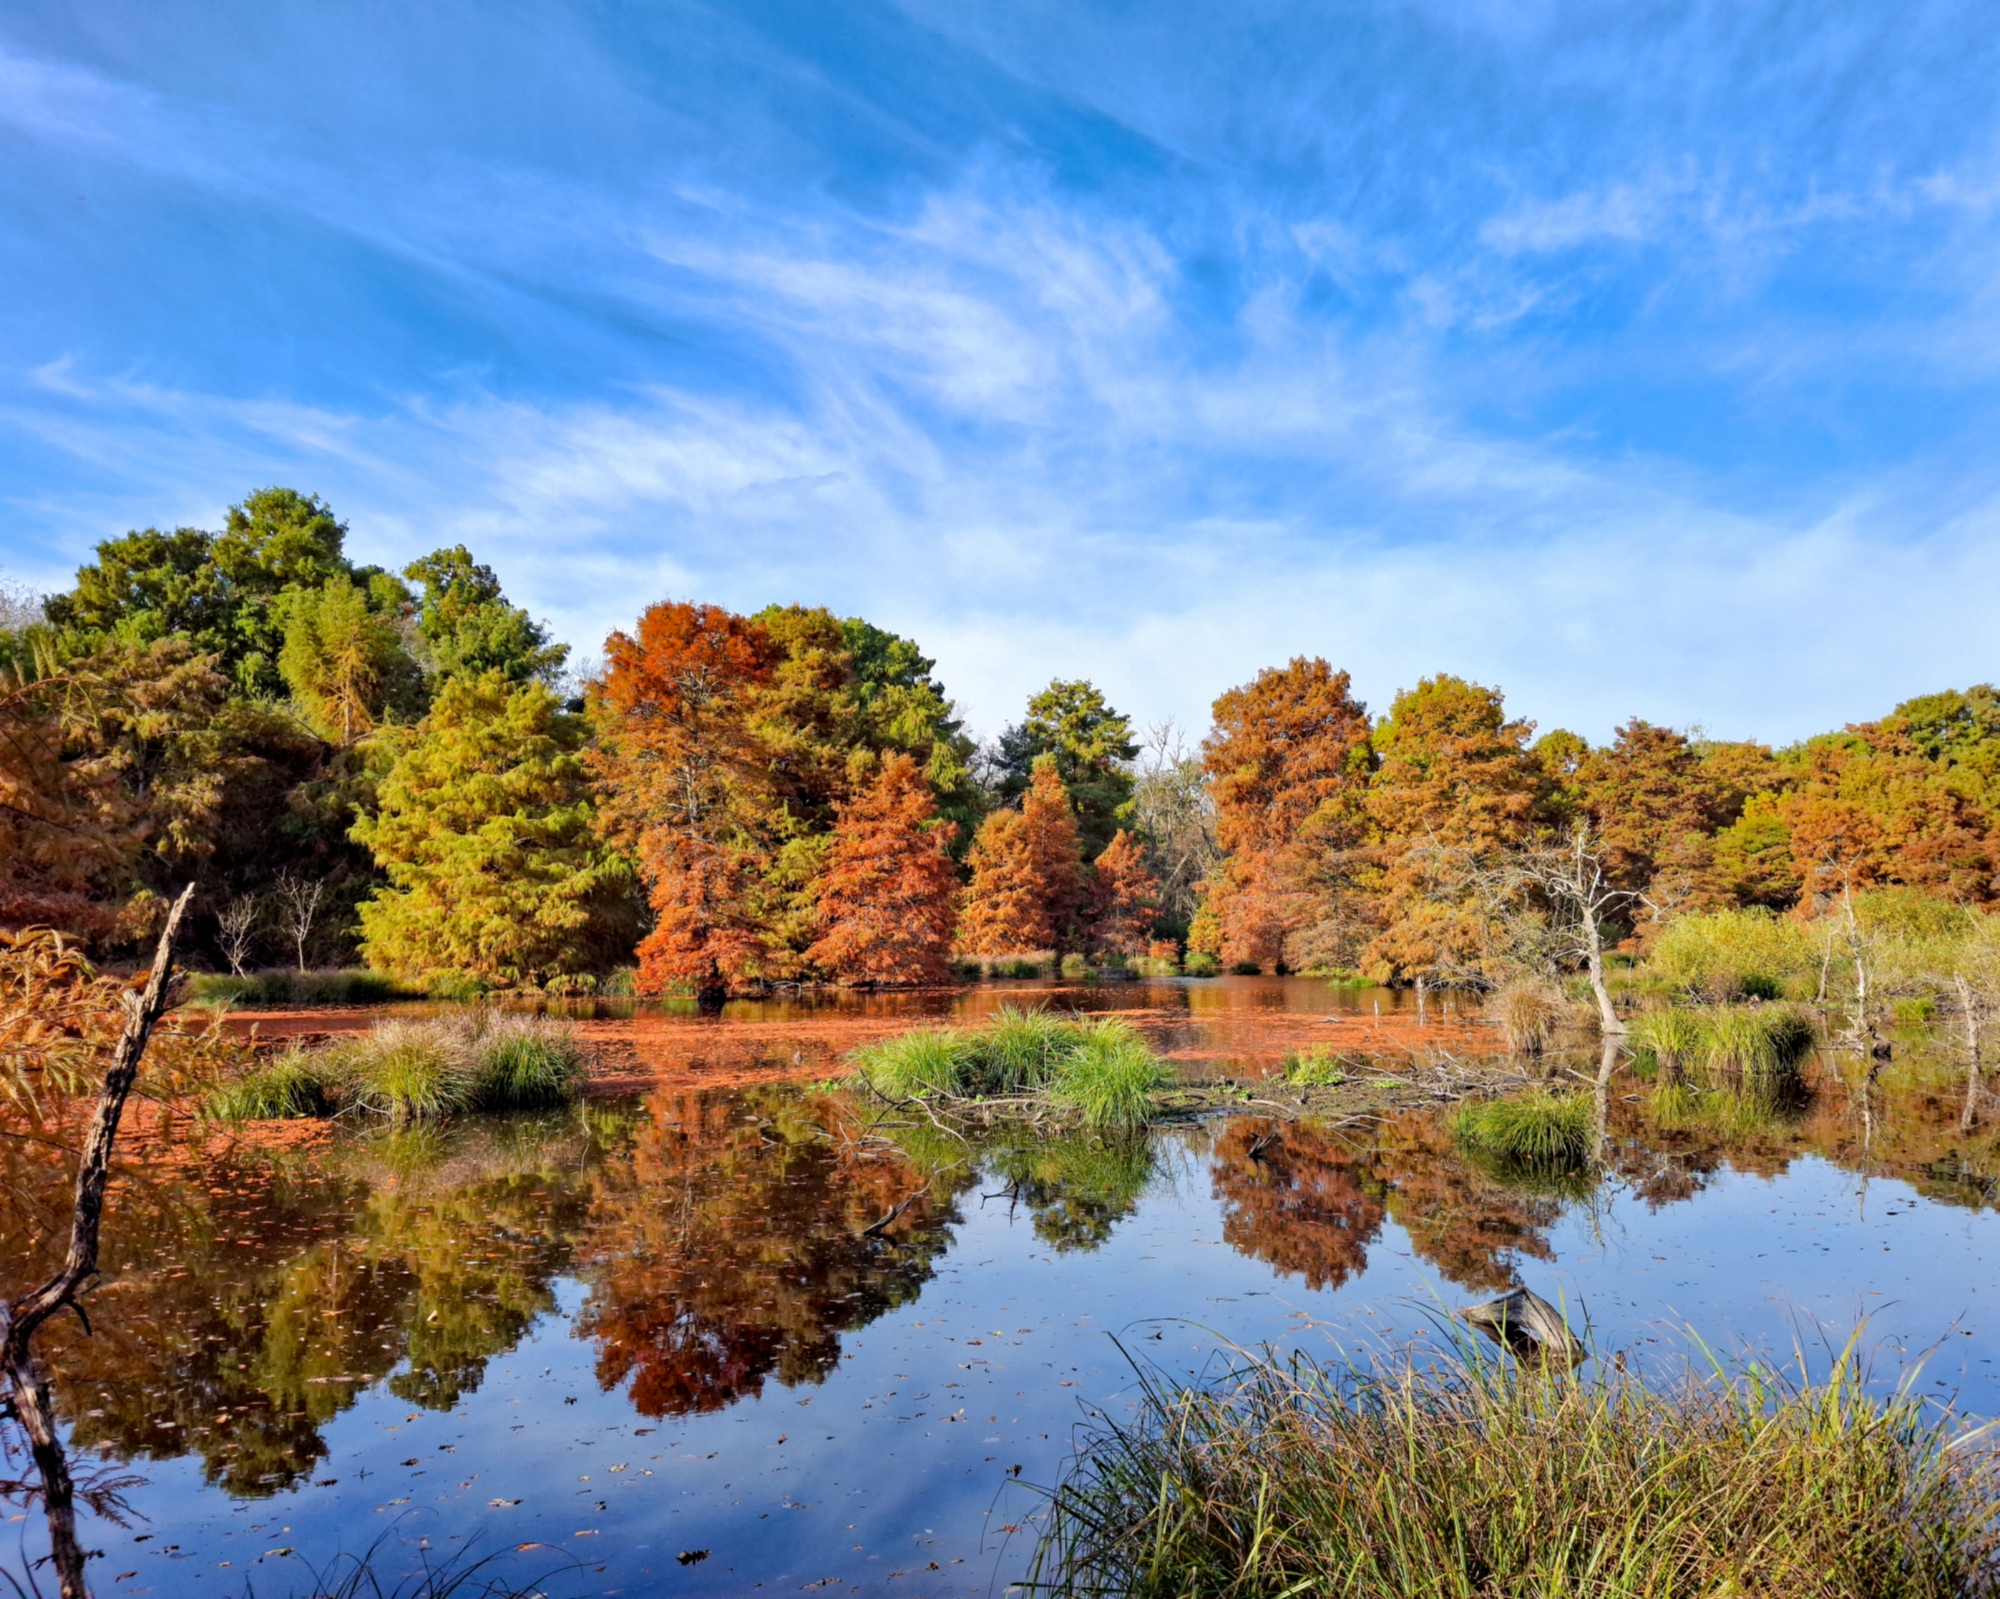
[(1075, 966), (1536, 1132), (1316, 1067), (1725, 955), (296, 988), (1428, 1478), (1200, 964), (1102, 1072), (296, 1084), (1017, 966), (1529, 1011), (1245, 969)]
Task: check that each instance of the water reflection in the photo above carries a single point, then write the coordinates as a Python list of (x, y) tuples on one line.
[(726, 1240)]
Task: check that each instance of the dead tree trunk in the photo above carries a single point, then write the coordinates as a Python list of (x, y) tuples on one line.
[(27, 1383), (1968, 1006)]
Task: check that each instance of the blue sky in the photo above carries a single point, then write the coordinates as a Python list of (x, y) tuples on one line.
[(1640, 359)]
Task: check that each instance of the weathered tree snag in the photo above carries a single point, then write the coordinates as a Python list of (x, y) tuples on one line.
[(1528, 1325), (28, 1385)]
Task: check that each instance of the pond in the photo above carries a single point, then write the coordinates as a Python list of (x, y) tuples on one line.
[(668, 1343)]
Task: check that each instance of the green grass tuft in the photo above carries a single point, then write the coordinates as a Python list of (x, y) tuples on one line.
[(296, 1084), (526, 1063), (1468, 1475), (1537, 1132), (1317, 1067), (1102, 1072)]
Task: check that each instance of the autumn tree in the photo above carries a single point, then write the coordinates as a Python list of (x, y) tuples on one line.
[(1288, 762), (886, 898), (1026, 891), (485, 832), (1175, 819), (1454, 784), (1092, 747), (1124, 898), (687, 786)]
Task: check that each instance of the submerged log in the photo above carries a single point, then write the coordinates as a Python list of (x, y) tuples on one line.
[(1528, 1325)]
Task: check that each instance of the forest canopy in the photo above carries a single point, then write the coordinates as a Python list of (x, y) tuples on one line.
[(395, 767)]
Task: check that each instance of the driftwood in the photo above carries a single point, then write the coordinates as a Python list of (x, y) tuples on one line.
[(29, 1396), (1528, 1325)]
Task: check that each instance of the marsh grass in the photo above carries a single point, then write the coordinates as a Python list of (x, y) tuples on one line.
[(281, 988), (1537, 1133), (1466, 1476), (1760, 1047), (1314, 1067), (295, 1084), (1101, 1073), (1529, 1012), (418, 1071)]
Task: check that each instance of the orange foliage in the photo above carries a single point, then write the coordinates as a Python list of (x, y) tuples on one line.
[(1124, 898), (1456, 782), (685, 785), (886, 895), (1657, 804), (1863, 816), (1027, 876), (1288, 764), (1304, 1205)]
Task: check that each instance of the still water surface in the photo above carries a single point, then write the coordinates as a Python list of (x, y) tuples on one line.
[(660, 1326)]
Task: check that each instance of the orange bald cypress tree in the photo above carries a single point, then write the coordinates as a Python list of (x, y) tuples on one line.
[(686, 786), (887, 896), (1027, 875), (1288, 764), (1124, 898)]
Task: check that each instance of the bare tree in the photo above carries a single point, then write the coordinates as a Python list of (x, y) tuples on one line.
[(298, 903), (236, 927), (30, 1398), (1176, 816), (1569, 877)]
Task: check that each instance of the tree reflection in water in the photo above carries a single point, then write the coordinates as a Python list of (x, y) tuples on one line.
[(733, 1244), (723, 1240)]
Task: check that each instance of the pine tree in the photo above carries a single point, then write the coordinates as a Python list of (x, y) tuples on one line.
[(886, 898), (485, 831), (1124, 898), (1027, 878)]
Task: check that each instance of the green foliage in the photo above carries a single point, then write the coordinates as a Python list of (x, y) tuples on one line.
[(1317, 1067), (1724, 955), (1199, 963), (469, 628), (1536, 1132), (1077, 1186), (298, 1083), (1093, 749), (1075, 967), (485, 831), (1102, 1072), (344, 661), (1429, 1478), (1728, 1045), (303, 989)]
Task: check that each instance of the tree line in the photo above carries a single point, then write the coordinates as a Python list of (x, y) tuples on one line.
[(400, 764)]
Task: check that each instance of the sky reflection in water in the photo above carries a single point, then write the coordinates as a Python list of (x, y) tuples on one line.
[(660, 1327)]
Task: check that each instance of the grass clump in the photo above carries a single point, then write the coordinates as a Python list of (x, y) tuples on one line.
[(1754, 1047), (1534, 1132), (296, 1084), (1469, 1476), (1101, 1072), (1529, 1011), (1315, 1067), (1735, 954), (1200, 964), (418, 1071)]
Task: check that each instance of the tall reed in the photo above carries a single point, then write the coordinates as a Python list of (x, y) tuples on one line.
[(1472, 1478)]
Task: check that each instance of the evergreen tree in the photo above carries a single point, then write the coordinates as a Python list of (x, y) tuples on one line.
[(468, 627), (1093, 750), (344, 661), (485, 832), (886, 897)]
